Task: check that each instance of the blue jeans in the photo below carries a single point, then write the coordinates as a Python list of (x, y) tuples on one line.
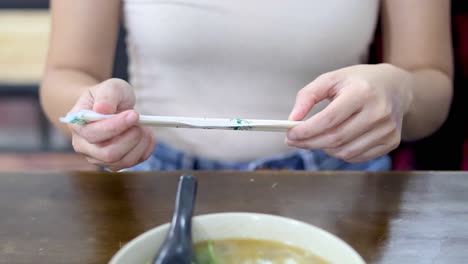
[(166, 158)]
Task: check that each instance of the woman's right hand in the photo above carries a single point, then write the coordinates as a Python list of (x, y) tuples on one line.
[(115, 143)]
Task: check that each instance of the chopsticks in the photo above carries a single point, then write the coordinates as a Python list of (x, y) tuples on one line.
[(87, 116)]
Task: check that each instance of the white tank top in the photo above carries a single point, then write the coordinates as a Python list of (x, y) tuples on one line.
[(237, 59)]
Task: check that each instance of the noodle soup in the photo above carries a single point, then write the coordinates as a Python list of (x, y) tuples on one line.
[(252, 251), (247, 238)]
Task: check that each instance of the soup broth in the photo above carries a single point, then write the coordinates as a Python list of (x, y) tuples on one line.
[(250, 251)]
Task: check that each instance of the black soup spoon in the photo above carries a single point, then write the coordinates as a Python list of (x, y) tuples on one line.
[(177, 247)]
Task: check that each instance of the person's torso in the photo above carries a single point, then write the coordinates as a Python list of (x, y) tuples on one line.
[(237, 59)]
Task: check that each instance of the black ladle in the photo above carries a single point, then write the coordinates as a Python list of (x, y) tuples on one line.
[(177, 247)]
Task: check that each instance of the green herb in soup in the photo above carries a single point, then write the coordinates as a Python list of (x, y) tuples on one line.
[(250, 251)]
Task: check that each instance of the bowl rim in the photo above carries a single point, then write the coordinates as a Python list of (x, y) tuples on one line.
[(123, 250)]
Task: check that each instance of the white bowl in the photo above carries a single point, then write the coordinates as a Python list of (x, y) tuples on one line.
[(245, 225)]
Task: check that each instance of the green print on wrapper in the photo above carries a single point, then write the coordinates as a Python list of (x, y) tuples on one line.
[(78, 120), (242, 124), (235, 123)]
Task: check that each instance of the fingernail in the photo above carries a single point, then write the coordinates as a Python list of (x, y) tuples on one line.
[(132, 117), (292, 136), (293, 113), (286, 141)]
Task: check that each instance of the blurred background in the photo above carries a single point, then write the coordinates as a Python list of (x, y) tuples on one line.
[(28, 141)]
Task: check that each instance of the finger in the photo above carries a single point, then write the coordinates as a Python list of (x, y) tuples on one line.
[(103, 130), (350, 129), (330, 139), (134, 157), (385, 135), (318, 90), (111, 96), (340, 109), (84, 102), (121, 163), (112, 150), (149, 150), (96, 162), (371, 154)]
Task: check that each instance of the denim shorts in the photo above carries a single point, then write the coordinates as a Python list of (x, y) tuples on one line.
[(167, 158)]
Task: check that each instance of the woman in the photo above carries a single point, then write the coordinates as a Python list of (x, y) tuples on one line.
[(232, 59)]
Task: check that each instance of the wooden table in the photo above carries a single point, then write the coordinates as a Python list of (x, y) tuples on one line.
[(72, 217)]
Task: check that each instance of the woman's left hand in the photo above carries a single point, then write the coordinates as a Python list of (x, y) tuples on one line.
[(364, 118)]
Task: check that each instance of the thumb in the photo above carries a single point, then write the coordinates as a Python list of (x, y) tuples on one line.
[(320, 89), (112, 96)]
